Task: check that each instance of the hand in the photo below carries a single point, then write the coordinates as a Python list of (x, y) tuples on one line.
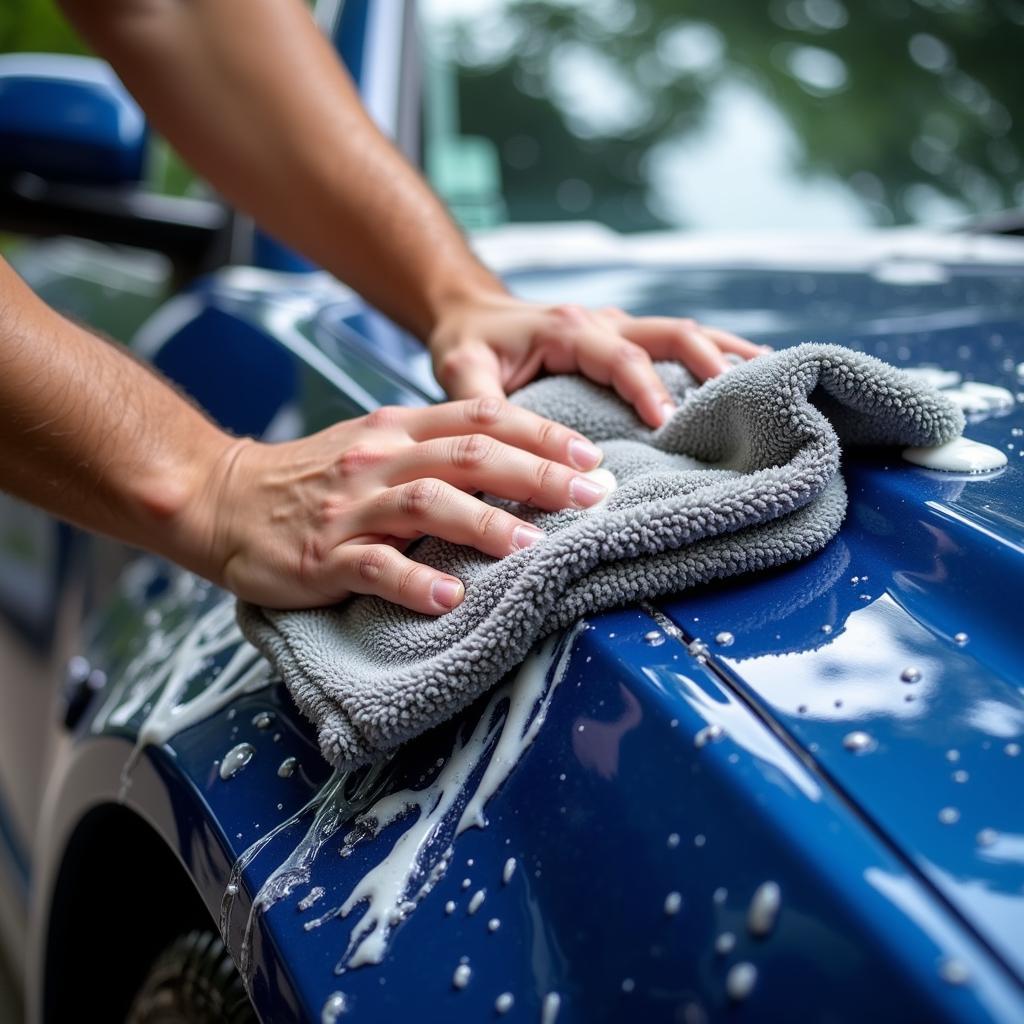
[(494, 344), (308, 522)]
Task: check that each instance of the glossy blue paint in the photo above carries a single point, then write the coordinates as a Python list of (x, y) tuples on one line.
[(69, 119), (877, 893), (592, 814)]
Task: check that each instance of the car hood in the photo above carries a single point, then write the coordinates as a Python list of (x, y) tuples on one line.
[(893, 658)]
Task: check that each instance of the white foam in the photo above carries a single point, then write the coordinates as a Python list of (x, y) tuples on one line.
[(419, 858), (172, 660), (604, 478), (958, 456)]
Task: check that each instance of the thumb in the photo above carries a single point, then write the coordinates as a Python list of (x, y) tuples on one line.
[(470, 371)]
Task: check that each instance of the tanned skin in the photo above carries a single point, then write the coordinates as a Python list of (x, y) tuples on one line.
[(252, 95)]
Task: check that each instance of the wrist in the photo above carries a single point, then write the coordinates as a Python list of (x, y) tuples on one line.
[(457, 293), (188, 505)]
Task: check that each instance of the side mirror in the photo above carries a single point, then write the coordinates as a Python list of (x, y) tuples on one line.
[(68, 119), (72, 155)]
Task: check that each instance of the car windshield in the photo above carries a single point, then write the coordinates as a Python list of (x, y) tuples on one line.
[(725, 114)]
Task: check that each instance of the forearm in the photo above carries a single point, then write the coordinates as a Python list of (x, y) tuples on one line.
[(256, 100), (94, 437)]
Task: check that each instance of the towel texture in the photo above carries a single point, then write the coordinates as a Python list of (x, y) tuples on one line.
[(744, 476)]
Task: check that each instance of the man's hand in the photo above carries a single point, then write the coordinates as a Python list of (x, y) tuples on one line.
[(495, 343), (308, 522)]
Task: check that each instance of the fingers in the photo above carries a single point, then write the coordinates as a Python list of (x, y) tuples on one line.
[(470, 371), (666, 337), (436, 508), (382, 571), (729, 342), (507, 423), (476, 462), (594, 343)]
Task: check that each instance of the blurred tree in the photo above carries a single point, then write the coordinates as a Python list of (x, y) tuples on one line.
[(901, 101)]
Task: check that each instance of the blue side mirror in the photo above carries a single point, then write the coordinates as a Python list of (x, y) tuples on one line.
[(68, 119)]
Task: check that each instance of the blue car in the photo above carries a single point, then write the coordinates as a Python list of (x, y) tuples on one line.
[(792, 796)]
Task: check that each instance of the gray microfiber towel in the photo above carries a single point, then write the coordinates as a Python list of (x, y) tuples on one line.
[(744, 476)]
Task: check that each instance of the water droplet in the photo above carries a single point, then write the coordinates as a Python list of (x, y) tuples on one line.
[(858, 742), (628, 984), (911, 674), (493, 925), (236, 759), (152, 618), (673, 901), (1012, 749), (740, 981), (287, 767), (802, 709), (504, 1002), (954, 972), (467, 882), (508, 870), (697, 648), (449, 907), (724, 639), (720, 895), (460, 979), (263, 719), (314, 896), (477, 901), (949, 815), (987, 837), (725, 943), (699, 840), (335, 1006), (232, 889), (709, 734), (961, 639), (826, 629), (673, 840), (960, 775), (952, 756), (550, 1007), (655, 638), (764, 909)]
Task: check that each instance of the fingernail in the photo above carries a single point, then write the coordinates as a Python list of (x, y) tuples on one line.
[(585, 492), (583, 454), (667, 411), (447, 593), (526, 536)]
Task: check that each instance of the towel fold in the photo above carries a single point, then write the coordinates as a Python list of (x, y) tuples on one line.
[(744, 476)]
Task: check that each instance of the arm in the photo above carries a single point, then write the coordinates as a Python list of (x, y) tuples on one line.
[(256, 100), (97, 438)]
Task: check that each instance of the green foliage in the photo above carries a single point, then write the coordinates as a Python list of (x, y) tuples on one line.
[(36, 26), (922, 103)]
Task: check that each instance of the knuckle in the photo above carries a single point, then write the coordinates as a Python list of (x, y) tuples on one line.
[(549, 433), (356, 460), (486, 410), (628, 356), (372, 565), (418, 497), (490, 521), (408, 578), (472, 450), (385, 416), (547, 475)]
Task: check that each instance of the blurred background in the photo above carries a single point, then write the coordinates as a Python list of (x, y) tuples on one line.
[(704, 114), (726, 114)]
